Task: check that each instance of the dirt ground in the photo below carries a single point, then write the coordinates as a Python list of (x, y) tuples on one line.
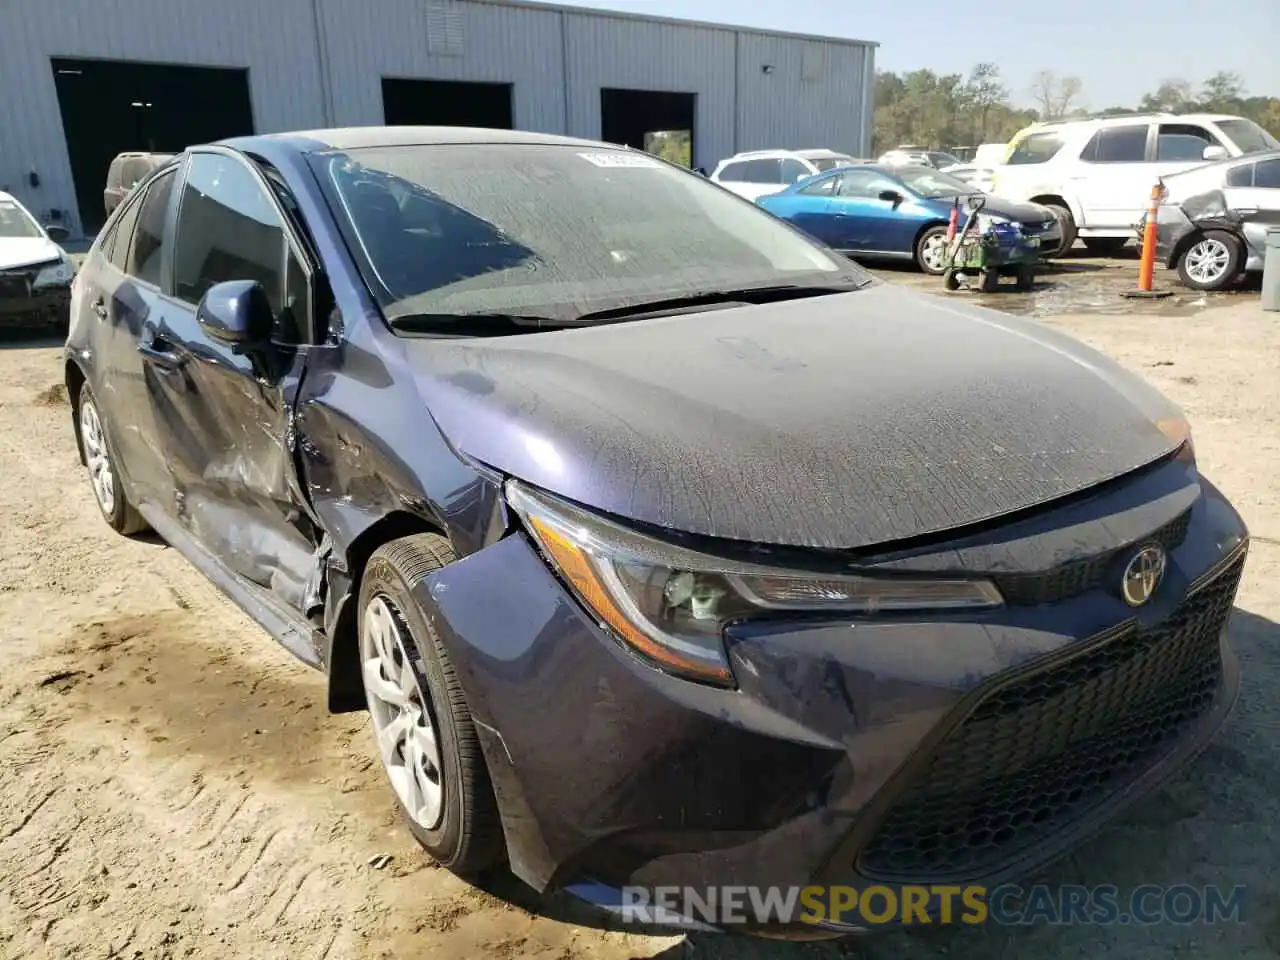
[(171, 785)]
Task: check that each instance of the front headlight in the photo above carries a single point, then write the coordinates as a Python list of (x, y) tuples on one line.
[(988, 220), (56, 274), (670, 604)]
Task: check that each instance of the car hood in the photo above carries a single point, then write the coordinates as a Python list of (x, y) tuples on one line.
[(839, 422), (1000, 207), (20, 251)]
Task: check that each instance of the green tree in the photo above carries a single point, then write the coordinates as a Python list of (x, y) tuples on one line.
[(1222, 92), (985, 92)]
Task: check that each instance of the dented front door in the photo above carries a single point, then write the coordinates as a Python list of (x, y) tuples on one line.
[(226, 416)]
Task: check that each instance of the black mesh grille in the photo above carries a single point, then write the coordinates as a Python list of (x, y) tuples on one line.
[(1037, 754), (1075, 578)]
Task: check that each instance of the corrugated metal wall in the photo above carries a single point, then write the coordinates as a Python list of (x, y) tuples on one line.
[(273, 38), (315, 63)]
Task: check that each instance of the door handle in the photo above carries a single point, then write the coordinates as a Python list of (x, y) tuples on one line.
[(99, 307), (160, 351)]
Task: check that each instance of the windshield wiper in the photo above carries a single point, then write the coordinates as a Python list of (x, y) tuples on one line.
[(473, 324), (714, 298), (506, 324)]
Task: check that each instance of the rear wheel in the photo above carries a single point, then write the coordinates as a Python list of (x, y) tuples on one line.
[(422, 726), (931, 251), (990, 281), (100, 460), (1026, 277), (951, 280), (1066, 226), (1212, 261), (1105, 246)]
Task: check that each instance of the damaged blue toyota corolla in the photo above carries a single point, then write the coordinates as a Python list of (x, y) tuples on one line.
[(663, 545)]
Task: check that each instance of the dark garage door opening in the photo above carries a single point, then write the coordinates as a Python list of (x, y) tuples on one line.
[(446, 103), (110, 106), (661, 123)]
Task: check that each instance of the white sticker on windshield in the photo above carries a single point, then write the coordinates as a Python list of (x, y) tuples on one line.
[(620, 160)]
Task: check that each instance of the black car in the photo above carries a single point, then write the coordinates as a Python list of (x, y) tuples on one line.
[(663, 545)]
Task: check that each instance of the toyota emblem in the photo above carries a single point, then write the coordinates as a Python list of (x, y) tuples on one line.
[(1143, 574)]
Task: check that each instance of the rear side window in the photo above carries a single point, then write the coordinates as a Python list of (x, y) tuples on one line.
[(116, 247), (1241, 176), (733, 172), (793, 170), (1117, 145), (1183, 143), (764, 171), (1036, 148), (148, 235), (821, 188), (1266, 174)]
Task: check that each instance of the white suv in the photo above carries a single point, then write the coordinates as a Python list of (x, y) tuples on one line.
[(1097, 174), (761, 172)]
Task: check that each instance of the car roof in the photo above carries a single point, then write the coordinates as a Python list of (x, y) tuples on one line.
[(1124, 118), (355, 138)]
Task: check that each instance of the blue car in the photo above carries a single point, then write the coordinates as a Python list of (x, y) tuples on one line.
[(902, 213)]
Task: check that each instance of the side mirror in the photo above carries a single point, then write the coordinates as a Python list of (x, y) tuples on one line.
[(236, 313), (1215, 152), (57, 233), (891, 196)]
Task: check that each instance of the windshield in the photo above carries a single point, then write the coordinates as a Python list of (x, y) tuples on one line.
[(1248, 136), (932, 184), (554, 231), (14, 221), (830, 163)]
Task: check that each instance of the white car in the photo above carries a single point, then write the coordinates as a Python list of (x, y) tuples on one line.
[(978, 177), (760, 172), (1097, 174), (35, 273), (918, 158)]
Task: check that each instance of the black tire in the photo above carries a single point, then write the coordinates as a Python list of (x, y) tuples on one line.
[(1232, 263), (119, 513), (951, 280), (1026, 278), (990, 281), (1105, 246), (928, 238), (468, 838), (1067, 224)]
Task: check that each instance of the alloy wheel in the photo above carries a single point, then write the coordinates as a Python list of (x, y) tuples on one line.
[(1207, 261), (934, 253), (97, 456), (403, 724)]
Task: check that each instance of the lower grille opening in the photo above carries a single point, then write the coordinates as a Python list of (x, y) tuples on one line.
[(1039, 753)]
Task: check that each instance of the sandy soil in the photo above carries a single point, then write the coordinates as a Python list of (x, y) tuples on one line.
[(171, 786)]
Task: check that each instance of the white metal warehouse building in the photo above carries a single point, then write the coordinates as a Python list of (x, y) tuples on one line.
[(86, 79)]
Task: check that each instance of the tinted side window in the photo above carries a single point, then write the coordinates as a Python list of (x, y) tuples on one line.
[(1267, 174), (1241, 176), (1117, 145), (822, 188), (1037, 148), (1183, 142), (733, 172), (793, 170), (764, 171), (143, 261), (228, 229)]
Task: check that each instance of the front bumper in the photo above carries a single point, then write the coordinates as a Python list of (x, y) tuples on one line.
[(22, 303), (967, 748)]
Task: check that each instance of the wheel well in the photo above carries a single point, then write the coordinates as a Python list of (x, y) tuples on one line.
[(1049, 198), (346, 690), (73, 377)]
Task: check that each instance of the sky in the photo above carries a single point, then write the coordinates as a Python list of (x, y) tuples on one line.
[(1120, 49)]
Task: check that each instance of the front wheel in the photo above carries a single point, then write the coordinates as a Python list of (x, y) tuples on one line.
[(1066, 225), (1212, 261), (422, 727), (932, 254)]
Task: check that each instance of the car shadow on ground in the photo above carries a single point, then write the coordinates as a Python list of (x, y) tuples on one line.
[(1187, 833)]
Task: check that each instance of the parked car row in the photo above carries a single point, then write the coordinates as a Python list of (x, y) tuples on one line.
[(656, 538), (1097, 174)]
